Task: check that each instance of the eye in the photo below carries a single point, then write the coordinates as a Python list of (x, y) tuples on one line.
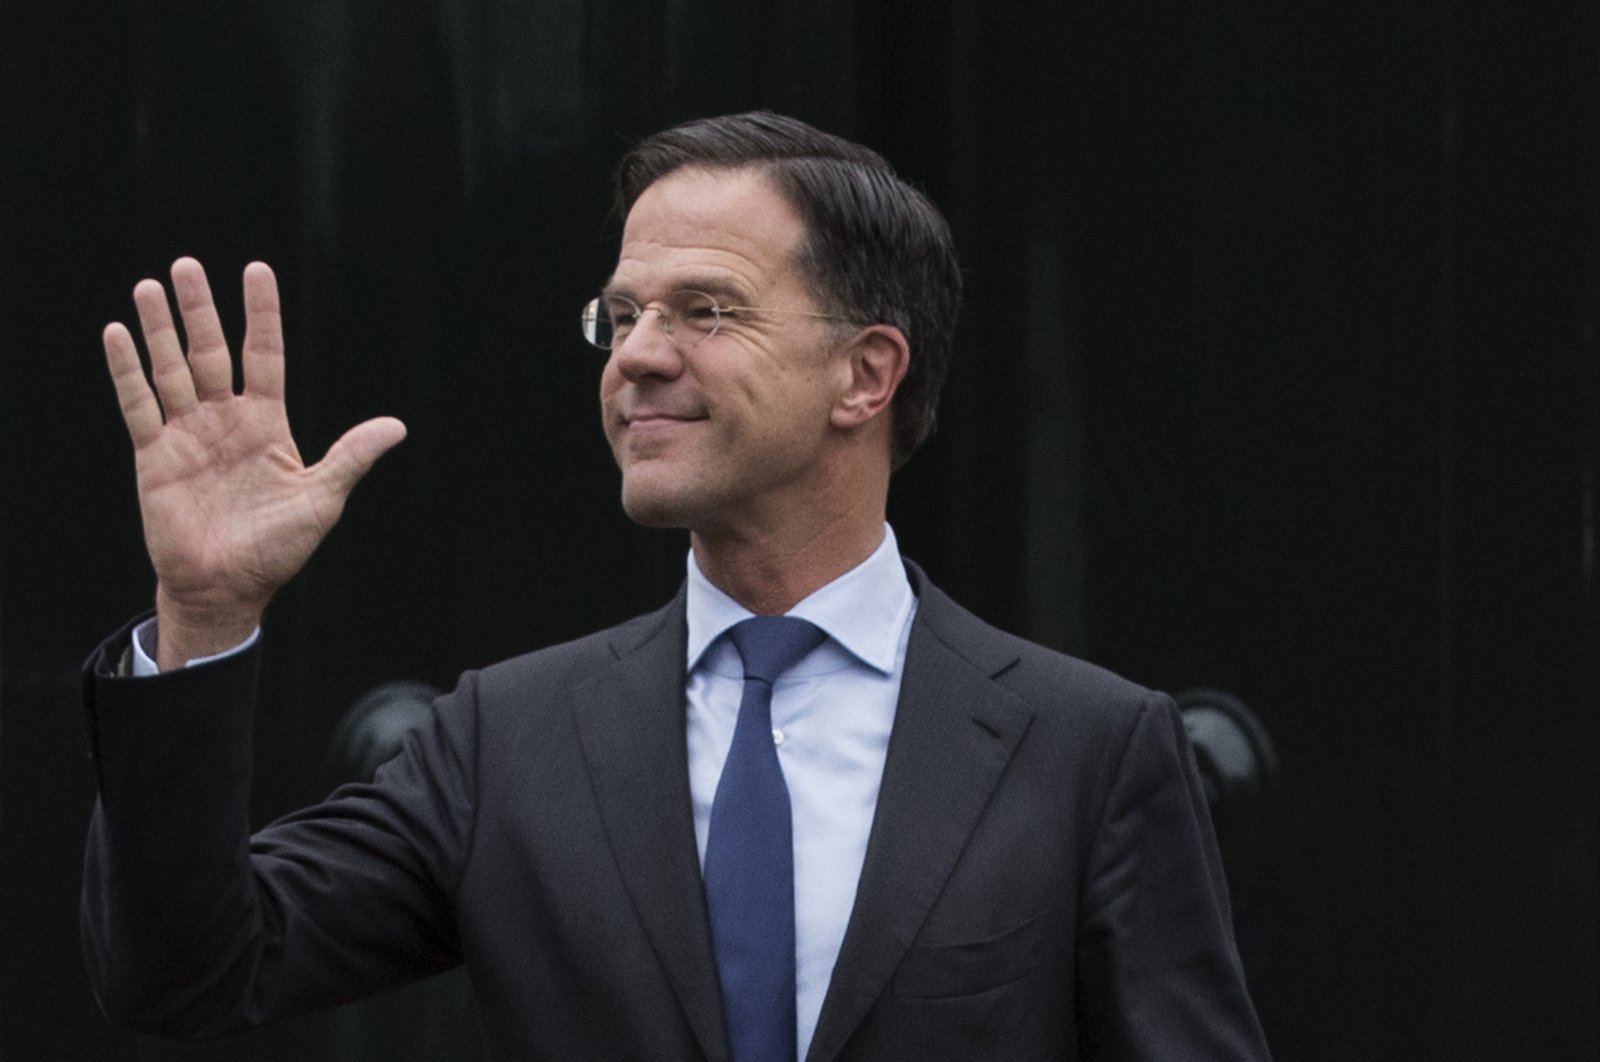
[(697, 310), (623, 314)]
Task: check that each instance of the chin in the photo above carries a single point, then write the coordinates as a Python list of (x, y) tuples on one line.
[(649, 505)]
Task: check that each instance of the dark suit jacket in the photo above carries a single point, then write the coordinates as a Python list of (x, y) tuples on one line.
[(1041, 880)]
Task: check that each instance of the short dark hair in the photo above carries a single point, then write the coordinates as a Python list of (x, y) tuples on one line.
[(876, 251)]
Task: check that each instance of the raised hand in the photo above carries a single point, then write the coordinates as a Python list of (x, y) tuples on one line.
[(230, 510)]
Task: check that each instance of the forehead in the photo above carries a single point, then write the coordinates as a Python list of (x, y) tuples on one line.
[(704, 225)]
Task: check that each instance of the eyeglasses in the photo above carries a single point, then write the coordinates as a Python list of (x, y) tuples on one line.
[(607, 320)]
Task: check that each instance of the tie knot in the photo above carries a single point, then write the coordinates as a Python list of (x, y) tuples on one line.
[(770, 645)]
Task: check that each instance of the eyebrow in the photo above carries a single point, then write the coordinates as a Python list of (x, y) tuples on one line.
[(719, 287)]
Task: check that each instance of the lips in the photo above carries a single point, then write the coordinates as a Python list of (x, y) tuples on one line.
[(643, 411), (652, 432), (646, 418)]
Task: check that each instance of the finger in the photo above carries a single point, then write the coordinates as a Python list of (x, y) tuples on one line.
[(168, 369), (263, 333), (139, 409), (209, 362), (356, 451)]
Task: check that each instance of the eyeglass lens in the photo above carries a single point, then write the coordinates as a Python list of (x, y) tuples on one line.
[(608, 319)]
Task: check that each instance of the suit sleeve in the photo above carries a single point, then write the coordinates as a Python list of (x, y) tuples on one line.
[(192, 927), (1159, 976)]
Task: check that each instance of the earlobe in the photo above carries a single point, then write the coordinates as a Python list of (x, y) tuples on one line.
[(878, 357)]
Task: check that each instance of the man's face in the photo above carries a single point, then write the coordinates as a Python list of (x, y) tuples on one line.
[(728, 434)]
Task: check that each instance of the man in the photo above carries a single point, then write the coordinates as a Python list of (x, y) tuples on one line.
[(954, 844)]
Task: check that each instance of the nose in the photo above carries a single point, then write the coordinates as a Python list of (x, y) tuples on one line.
[(648, 349)]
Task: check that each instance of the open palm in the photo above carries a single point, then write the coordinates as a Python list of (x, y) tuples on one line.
[(230, 510)]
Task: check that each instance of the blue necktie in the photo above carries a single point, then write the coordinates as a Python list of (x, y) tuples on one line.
[(749, 870)]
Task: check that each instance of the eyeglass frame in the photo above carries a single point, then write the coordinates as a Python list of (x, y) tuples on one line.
[(667, 318)]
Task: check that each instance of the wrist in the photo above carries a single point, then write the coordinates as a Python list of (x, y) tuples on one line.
[(185, 631)]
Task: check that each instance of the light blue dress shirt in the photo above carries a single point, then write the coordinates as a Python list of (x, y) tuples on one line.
[(831, 717), (144, 662)]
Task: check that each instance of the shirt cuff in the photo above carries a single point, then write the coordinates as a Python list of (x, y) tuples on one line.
[(144, 664)]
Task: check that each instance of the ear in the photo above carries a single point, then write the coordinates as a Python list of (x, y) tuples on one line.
[(877, 358)]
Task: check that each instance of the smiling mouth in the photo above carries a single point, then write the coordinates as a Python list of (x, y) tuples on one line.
[(653, 420)]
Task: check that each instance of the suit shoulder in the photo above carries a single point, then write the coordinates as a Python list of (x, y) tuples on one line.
[(1039, 675), (568, 663), (586, 653), (1037, 664)]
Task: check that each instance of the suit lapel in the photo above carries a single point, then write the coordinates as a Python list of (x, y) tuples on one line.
[(954, 733), (630, 721)]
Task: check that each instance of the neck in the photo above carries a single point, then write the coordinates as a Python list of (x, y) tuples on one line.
[(769, 573)]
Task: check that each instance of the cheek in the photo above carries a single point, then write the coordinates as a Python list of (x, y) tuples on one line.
[(610, 384)]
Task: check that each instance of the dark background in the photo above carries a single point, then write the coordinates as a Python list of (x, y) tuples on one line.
[(1278, 373)]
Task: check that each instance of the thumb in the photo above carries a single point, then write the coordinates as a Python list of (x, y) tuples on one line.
[(356, 452)]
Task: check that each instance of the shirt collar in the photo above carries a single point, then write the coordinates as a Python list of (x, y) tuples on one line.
[(864, 610)]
